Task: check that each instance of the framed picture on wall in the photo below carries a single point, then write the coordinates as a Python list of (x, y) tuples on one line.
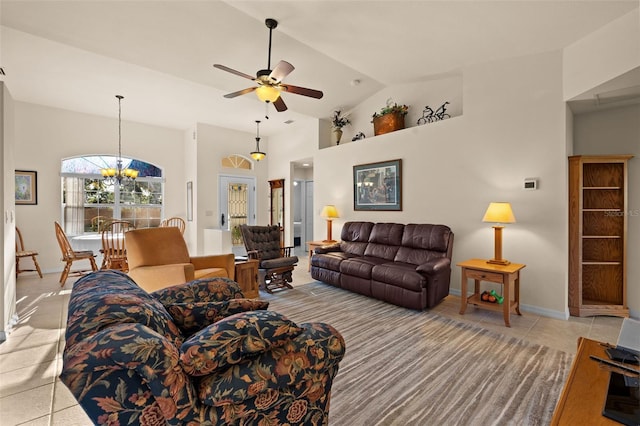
[(378, 186), (190, 201), (26, 187)]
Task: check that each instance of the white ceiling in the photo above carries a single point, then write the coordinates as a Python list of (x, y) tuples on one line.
[(78, 55)]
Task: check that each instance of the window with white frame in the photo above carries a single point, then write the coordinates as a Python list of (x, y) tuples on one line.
[(88, 201)]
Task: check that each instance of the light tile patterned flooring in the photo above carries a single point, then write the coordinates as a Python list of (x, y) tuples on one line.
[(30, 359)]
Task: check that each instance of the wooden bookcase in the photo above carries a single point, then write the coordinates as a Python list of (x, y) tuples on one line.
[(597, 235)]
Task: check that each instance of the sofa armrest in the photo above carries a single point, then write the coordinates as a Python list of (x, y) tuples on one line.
[(434, 266), (132, 362), (327, 249), (152, 278), (303, 366), (225, 261)]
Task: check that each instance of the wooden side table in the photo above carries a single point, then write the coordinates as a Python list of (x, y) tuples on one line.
[(506, 275), (585, 390), (312, 245), (247, 277)]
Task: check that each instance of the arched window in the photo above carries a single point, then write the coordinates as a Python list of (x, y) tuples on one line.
[(236, 161), (87, 201)]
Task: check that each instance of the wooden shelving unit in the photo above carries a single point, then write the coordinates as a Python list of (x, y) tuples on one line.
[(597, 235)]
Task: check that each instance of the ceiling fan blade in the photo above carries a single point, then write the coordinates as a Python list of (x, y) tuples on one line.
[(317, 94), (232, 71), (240, 92), (280, 105), (281, 70)]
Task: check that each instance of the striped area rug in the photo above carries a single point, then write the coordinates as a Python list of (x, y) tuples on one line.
[(404, 367)]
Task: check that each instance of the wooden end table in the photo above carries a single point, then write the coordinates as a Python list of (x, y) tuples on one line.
[(247, 277), (506, 275), (312, 245), (585, 390)]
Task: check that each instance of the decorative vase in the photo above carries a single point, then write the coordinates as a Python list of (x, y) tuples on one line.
[(338, 133), (388, 123)]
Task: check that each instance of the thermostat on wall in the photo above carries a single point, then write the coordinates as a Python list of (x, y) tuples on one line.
[(530, 183)]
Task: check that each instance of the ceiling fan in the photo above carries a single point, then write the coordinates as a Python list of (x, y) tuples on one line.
[(270, 85)]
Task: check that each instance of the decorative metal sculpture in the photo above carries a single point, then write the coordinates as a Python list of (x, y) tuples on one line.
[(357, 137), (429, 115)]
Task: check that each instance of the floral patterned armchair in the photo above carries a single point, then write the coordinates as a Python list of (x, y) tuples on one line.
[(193, 354)]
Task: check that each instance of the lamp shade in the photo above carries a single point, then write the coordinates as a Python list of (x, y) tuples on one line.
[(267, 93), (329, 211), (257, 155), (499, 213)]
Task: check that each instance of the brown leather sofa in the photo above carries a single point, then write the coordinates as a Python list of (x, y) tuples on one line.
[(159, 258), (407, 265)]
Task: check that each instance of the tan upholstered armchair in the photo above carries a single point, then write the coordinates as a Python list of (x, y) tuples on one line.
[(159, 258)]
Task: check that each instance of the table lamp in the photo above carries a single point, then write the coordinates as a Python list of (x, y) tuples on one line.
[(329, 212), (498, 213)]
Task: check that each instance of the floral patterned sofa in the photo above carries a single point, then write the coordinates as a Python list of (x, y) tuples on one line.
[(193, 354)]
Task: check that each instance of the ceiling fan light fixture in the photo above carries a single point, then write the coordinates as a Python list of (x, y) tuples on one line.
[(267, 93)]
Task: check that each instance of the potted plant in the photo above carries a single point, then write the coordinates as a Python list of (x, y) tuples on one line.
[(390, 118), (338, 121)]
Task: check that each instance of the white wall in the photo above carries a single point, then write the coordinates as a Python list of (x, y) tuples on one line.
[(44, 136), (602, 55), (617, 131), (512, 127), (7, 254), (212, 144)]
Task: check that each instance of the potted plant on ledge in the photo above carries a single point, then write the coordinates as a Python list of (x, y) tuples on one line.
[(390, 118), (338, 121)]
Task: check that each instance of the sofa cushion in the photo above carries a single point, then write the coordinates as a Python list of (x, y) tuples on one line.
[(399, 274), (385, 240), (104, 298), (429, 237), (234, 339), (355, 237), (330, 261), (193, 317), (216, 289), (360, 266)]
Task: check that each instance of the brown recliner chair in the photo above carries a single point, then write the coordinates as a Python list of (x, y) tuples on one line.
[(159, 258), (276, 263)]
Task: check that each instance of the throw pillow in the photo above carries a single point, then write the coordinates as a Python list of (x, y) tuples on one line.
[(233, 339), (193, 317)]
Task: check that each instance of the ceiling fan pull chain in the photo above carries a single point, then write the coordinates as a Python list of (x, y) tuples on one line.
[(266, 110)]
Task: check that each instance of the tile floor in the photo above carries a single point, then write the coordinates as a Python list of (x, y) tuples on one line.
[(30, 359)]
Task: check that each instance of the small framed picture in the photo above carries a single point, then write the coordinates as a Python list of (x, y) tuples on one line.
[(378, 186), (26, 187)]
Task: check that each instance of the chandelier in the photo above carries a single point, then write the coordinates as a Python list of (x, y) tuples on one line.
[(257, 154), (111, 175)]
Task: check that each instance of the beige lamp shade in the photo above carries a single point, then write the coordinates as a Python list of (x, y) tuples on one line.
[(499, 213), (329, 211)]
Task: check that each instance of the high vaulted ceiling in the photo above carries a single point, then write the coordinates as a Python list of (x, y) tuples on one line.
[(78, 55)]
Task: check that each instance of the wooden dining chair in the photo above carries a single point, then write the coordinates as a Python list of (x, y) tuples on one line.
[(98, 223), (178, 222), (114, 254), (69, 255), (21, 252)]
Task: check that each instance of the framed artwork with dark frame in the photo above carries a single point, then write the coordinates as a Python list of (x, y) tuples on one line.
[(190, 201), (26, 187), (378, 186)]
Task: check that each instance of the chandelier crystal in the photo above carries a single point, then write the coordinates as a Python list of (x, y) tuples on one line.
[(119, 174), (257, 154)]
